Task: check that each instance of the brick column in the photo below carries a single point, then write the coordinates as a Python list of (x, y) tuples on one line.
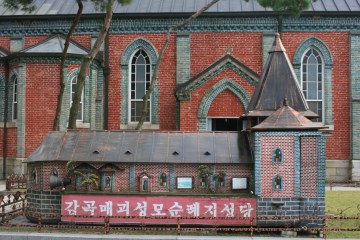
[(268, 39), (21, 115), (355, 104)]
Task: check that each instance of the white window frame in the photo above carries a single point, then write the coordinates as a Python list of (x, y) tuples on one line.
[(322, 82), (81, 100), (130, 100)]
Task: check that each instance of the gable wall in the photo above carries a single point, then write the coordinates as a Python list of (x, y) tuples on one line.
[(189, 109)]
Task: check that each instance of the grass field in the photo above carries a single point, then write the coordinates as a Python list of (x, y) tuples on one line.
[(343, 204)]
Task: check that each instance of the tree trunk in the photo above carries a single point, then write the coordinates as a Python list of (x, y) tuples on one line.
[(62, 66), (154, 77), (85, 65)]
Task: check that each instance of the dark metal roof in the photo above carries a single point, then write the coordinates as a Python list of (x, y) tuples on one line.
[(286, 118), (66, 7), (141, 147), (277, 82), (55, 44)]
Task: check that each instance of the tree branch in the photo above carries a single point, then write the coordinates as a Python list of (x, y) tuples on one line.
[(154, 77)]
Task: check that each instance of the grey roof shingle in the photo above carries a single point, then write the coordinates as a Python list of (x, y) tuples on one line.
[(65, 7), (55, 44), (141, 147)]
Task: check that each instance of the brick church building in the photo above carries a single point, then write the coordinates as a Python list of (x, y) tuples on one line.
[(207, 78)]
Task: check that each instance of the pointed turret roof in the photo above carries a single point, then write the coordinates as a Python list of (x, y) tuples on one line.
[(278, 81), (55, 44), (286, 118)]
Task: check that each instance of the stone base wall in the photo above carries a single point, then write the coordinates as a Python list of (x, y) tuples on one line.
[(355, 171), (13, 165), (290, 212), (338, 170), (44, 206)]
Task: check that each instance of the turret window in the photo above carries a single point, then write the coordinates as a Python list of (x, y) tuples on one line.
[(277, 156), (277, 183)]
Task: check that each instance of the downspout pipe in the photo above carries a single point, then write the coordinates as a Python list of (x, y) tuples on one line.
[(5, 117), (106, 71)]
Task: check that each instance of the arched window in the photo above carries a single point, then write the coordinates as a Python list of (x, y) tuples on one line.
[(312, 82), (277, 156), (80, 115), (140, 70), (145, 184), (163, 180), (277, 183), (15, 98)]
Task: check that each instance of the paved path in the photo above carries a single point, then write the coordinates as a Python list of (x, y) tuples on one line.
[(48, 236)]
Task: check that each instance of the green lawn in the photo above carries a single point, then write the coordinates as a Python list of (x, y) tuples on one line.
[(346, 204)]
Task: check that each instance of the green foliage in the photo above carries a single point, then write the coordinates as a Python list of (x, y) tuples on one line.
[(90, 179), (220, 176), (204, 171), (24, 5), (87, 179), (28, 5), (103, 5), (292, 7)]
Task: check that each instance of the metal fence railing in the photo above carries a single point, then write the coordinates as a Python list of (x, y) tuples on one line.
[(16, 181)]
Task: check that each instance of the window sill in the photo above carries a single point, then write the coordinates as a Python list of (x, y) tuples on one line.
[(8, 125), (82, 125), (132, 126)]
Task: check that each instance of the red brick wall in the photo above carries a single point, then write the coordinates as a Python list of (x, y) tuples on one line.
[(32, 40), (309, 166), (84, 40), (338, 145), (226, 104), (122, 178), (42, 89), (207, 48), (11, 142), (5, 43), (269, 169)]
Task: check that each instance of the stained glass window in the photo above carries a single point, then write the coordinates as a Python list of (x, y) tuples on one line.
[(277, 183), (277, 155)]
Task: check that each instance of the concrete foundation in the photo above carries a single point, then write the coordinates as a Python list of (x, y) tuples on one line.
[(13, 165), (338, 171), (355, 171)]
